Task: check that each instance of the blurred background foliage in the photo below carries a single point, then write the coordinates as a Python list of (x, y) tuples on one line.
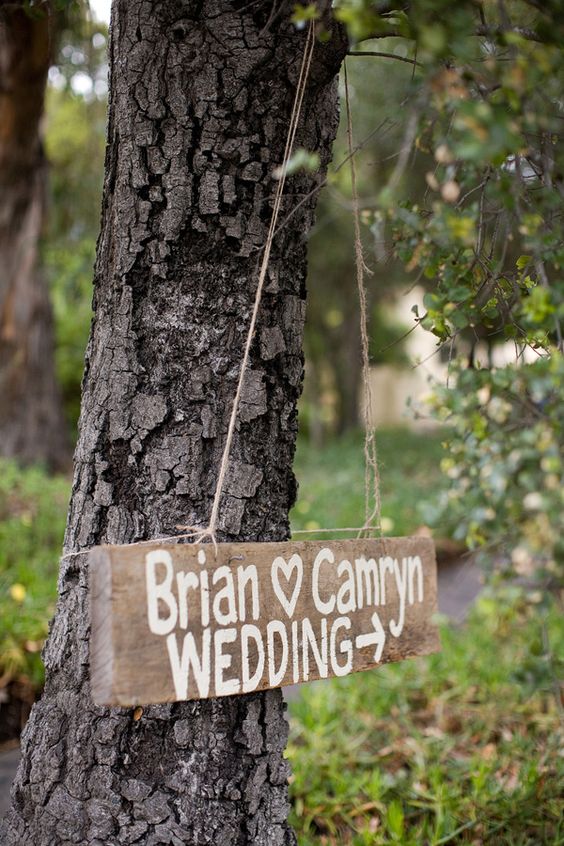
[(332, 340), (462, 183), (75, 131), (461, 180)]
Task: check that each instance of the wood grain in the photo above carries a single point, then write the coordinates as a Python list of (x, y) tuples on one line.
[(173, 621)]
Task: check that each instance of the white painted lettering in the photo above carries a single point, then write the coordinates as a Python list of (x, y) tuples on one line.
[(415, 566), (245, 576), (367, 582), (345, 647), (396, 628), (295, 564), (386, 565), (276, 674), (222, 661), (324, 607), (160, 592), (346, 596), (226, 595), (295, 653), (184, 581), (309, 641), (181, 666), (250, 632), (204, 595)]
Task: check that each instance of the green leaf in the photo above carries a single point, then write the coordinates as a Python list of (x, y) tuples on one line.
[(304, 14), (302, 160), (395, 819)]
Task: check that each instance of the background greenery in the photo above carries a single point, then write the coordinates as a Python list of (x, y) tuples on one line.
[(32, 523), (75, 130), (455, 748), (331, 479), (472, 209)]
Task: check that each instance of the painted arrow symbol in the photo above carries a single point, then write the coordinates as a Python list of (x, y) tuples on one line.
[(377, 638)]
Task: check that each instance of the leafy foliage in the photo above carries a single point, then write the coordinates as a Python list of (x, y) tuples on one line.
[(505, 465), (70, 272), (484, 118), (74, 142), (332, 337)]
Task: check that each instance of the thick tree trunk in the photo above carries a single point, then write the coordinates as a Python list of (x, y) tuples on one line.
[(32, 426), (200, 100)]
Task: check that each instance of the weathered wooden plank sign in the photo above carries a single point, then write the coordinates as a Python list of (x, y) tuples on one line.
[(173, 622)]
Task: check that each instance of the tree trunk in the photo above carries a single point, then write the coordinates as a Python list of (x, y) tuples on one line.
[(32, 426), (200, 101), (347, 362)]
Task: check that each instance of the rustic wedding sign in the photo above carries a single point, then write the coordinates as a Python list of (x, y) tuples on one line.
[(176, 621)]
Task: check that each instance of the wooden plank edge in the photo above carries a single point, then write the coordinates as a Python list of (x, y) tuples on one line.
[(101, 626), (168, 543)]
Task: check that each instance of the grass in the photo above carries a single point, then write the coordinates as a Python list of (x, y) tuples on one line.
[(461, 747), (331, 480)]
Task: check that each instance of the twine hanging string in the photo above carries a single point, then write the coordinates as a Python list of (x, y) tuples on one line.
[(209, 532), (372, 497)]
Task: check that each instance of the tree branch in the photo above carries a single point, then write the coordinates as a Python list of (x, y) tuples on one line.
[(523, 32), (482, 31), (384, 56)]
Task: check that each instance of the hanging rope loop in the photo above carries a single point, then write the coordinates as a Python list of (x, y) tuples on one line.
[(372, 497)]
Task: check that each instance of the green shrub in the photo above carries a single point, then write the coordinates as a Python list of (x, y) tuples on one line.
[(505, 465), (32, 521), (70, 273)]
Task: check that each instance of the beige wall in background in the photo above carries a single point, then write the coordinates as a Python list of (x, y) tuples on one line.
[(392, 387)]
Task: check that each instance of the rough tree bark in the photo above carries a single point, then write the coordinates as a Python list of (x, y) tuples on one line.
[(32, 425), (200, 100)]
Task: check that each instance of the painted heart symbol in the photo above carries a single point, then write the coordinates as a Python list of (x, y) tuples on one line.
[(280, 565)]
